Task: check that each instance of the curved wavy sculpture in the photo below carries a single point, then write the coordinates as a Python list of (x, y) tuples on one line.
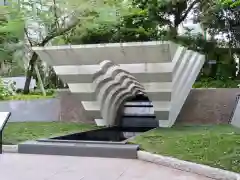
[(104, 76), (112, 85)]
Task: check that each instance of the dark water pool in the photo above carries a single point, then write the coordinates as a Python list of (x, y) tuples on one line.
[(112, 134)]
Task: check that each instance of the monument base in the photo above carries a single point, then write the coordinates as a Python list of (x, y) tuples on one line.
[(105, 142), (89, 149), (137, 117)]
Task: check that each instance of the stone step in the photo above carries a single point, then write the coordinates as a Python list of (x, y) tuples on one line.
[(145, 72), (138, 111), (138, 104), (93, 108), (139, 115), (139, 121), (158, 91)]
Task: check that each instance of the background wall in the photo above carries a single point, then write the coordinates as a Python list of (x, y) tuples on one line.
[(208, 106), (71, 109), (32, 110), (203, 106)]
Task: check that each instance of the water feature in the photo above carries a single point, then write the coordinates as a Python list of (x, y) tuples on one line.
[(103, 76), (112, 134), (136, 116)]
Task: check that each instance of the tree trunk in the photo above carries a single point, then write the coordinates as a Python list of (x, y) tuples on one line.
[(173, 32), (39, 79), (30, 73), (214, 67)]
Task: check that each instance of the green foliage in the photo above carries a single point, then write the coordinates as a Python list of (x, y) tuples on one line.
[(141, 26), (231, 3), (11, 31), (196, 43), (36, 94), (26, 97), (217, 146), (4, 90), (211, 83), (136, 20), (43, 21), (7, 92), (49, 92), (12, 22), (135, 26), (55, 16), (160, 11)]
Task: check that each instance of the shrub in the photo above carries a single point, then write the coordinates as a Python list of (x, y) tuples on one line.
[(6, 89), (212, 83)]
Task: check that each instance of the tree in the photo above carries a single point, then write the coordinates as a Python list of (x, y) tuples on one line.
[(132, 27), (231, 3), (223, 19), (168, 13), (232, 9), (48, 19), (11, 29)]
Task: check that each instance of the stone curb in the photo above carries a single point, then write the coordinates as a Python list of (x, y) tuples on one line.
[(10, 148), (203, 170)]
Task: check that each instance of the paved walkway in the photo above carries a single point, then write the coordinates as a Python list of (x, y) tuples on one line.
[(41, 167)]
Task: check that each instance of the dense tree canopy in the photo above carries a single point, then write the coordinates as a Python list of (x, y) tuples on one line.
[(73, 22), (46, 20), (231, 3)]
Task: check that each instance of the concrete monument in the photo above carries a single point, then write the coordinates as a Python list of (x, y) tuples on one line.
[(104, 76)]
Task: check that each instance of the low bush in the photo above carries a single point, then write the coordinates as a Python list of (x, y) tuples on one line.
[(27, 97), (211, 83), (5, 90)]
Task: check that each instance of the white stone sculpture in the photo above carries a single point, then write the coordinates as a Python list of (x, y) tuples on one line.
[(103, 76)]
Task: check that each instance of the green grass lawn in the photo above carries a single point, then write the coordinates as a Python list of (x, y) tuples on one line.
[(21, 131), (216, 146), (27, 97)]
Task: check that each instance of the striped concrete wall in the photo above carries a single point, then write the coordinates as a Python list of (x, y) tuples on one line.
[(103, 76)]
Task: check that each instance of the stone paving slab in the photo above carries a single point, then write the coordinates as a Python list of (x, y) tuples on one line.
[(10, 148), (45, 167)]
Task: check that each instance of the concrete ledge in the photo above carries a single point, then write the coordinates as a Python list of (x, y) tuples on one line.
[(124, 151), (10, 148), (203, 170)]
